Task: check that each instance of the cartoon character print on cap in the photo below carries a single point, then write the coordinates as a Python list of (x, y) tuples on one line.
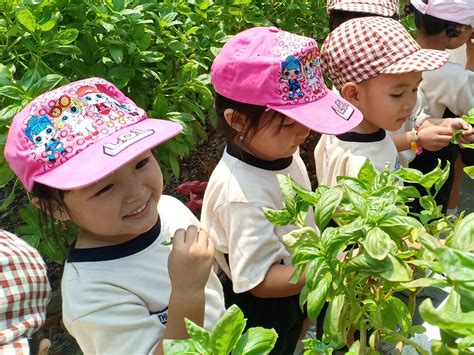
[(41, 132), (60, 124), (291, 71), (70, 112), (300, 79), (311, 65), (96, 97)]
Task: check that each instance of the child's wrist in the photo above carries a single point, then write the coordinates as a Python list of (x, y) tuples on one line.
[(415, 141)]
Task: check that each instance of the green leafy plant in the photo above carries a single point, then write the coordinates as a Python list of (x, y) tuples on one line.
[(456, 316), (226, 337), (469, 118), (369, 253)]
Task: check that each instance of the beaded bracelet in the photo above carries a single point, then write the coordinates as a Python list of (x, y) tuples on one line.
[(414, 138)]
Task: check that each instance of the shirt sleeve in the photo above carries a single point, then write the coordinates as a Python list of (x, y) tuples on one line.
[(253, 244), (114, 321), (455, 93)]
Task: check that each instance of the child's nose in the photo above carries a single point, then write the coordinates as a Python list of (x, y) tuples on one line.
[(134, 192)]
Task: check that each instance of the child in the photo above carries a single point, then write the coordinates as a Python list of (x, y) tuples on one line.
[(449, 90), (266, 105), (123, 290), (24, 295), (436, 133), (376, 66), (340, 11)]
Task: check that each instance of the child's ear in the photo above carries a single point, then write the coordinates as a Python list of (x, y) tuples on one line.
[(351, 92), (235, 119), (57, 212)]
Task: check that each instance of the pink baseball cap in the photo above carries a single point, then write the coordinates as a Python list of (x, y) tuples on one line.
[(77, 134), (280, 70), (362, 48), (459, 11), (386, 8)]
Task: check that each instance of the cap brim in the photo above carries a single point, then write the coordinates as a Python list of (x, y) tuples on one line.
[(422, 60), (109, 154), (330, 114)]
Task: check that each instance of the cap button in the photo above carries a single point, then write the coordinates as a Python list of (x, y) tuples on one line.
[(273, 29)]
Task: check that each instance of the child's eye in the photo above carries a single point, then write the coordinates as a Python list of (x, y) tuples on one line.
[(396, 95), (142, 163), (104, 190)]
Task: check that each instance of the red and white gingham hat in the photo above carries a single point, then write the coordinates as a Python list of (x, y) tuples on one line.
[(386, 8), (362, 48), (24, 293)]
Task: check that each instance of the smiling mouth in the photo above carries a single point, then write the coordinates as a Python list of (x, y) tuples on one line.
[(139, 210)]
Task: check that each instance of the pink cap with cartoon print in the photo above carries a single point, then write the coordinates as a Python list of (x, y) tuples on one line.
[(87, 116), (269, 67)]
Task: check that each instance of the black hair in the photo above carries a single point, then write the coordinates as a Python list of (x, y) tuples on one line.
[(252, 113), (432, 26), (50, 199), (338, 17)]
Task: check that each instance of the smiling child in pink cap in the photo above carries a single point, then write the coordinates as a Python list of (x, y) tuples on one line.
[(270, 94), (84, 152)]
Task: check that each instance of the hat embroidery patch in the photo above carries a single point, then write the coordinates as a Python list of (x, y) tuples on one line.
[(64, 122), (301, 79)]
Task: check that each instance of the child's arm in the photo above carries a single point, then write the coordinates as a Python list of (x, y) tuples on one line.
[(435, 134), (277, 283), (189, 267)]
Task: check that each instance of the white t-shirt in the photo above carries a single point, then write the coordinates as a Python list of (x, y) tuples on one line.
[(115, 299), (344, 155), (233, 216), (450, 86)]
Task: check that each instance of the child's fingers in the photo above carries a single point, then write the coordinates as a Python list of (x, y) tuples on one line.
[(210, 246), (192, 234), (179, 237)]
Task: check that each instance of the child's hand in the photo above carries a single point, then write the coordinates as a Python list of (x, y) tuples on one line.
[(190, 261), (467, 137), (455, 124), (434, 138)]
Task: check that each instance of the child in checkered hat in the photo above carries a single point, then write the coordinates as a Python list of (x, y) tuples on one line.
[(270, 94), (436, 133), (375, 65), (124, 289), (449, 90), (24, 295), (340, 11)]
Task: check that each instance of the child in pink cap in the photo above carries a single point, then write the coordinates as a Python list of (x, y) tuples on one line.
[(270, 94), (449, 90), (123, 290)]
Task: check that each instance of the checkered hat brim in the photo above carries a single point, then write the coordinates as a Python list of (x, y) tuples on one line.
[(361, 48), (24, 293), (386, 8), (422, 60)]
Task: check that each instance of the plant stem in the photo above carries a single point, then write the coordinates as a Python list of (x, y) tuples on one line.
[(406, 340)]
